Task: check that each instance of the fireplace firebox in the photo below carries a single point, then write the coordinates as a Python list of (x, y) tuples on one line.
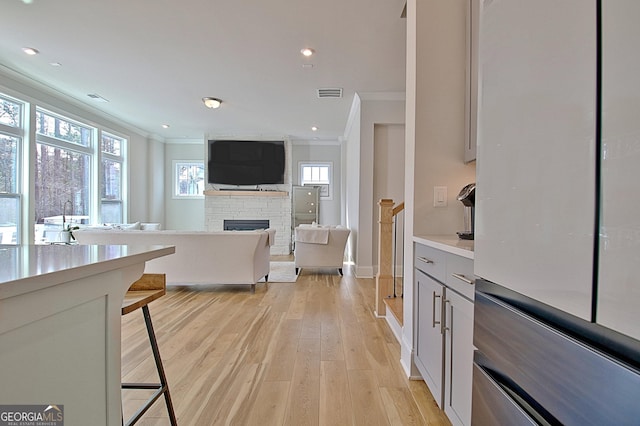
[(245, 225)]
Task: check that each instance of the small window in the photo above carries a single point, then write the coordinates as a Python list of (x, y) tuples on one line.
[(188, 179), (111, 144), (317, 174), (62, 128), (10, 112)]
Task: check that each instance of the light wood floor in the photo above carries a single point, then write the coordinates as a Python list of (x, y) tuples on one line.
[(304, 353)]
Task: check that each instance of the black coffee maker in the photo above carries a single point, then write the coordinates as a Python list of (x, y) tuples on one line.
[(468, 197)]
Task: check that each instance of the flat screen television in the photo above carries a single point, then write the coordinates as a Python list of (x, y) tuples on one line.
[(235, 162)]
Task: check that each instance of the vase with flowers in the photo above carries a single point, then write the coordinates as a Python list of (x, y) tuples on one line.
[(66, 235)]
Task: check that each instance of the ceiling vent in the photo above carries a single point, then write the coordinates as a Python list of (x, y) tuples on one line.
[(332, 92), (97, 97)]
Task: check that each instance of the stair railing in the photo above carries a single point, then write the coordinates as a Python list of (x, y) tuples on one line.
[(387, 277)]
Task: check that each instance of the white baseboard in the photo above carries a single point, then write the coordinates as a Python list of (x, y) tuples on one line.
[(406, 360), (364, 272), (394, 325)]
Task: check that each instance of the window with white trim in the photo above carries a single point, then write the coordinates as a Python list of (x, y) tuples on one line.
[(11, 136), (112, 165), (63, 166), (79, 174), (188, 179), (318, 174)]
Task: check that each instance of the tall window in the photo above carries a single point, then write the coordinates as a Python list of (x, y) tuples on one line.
[(188, 179), (64, 150), (78, 174), (317, 174), (111, 204), (11, 132)]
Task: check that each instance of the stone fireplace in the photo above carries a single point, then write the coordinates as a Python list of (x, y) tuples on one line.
[(271, 206)]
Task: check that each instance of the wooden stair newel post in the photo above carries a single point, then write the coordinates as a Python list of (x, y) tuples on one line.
[(384, 279)]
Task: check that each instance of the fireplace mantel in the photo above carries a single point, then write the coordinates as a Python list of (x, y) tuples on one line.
[(214, 193)]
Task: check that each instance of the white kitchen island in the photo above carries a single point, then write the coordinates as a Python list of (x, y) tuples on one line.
[(60, 326)]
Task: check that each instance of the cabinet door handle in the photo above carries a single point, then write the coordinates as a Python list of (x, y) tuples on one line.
[(463, 278), (450, 328), (425, 260), (433, 310), (443, 326)]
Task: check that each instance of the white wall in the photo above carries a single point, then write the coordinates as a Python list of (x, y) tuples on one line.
[(388, 181), (440, 116), (351, 176), (331, 152), (182, 214), (375, 109), (155, 185)]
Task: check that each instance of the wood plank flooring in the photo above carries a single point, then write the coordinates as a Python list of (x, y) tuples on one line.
[(304, 353)]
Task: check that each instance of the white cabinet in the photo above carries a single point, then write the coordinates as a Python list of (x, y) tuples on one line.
[(429, 348), (618, 289), (306, 203), (538, 148), (444, 329), (458, 363), (535, 196)]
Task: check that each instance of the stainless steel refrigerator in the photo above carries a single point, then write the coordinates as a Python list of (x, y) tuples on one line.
[(557, 238)]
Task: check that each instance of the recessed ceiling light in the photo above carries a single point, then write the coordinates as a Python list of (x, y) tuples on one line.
[(55, 64), (212, 102), (314, 128), (165, 126), (30, 51), (307, 51), (307, 65)]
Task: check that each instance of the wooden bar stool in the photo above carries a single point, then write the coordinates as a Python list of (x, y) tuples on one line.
[(147, 289)]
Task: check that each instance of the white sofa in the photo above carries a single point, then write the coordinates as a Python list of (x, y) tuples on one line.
[(225, 257), (320, 246)]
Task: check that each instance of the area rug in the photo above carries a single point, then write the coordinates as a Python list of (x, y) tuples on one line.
[(282, 272)]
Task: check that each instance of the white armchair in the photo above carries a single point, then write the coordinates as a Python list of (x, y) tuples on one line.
[(320, 247)]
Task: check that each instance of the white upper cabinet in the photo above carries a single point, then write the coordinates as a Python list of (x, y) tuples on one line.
[(618, 288), (536, 151)]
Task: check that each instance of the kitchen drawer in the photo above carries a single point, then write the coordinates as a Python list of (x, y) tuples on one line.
[(431, 261), (459, 273)]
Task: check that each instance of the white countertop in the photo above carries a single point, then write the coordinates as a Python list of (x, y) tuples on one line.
[(449, 243), (26, 268)]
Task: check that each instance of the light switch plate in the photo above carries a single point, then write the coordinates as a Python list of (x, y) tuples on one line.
[(439, 196)]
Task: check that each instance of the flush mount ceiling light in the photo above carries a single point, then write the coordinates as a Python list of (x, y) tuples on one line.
[(165, 126), (30, 51), (307, 51), (212, 102), (314, 128)]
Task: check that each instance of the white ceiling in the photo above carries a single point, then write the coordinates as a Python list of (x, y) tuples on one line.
[(154, 60)]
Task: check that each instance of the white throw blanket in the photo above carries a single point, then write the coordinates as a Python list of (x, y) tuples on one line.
[(272, 236), (312, 235)]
